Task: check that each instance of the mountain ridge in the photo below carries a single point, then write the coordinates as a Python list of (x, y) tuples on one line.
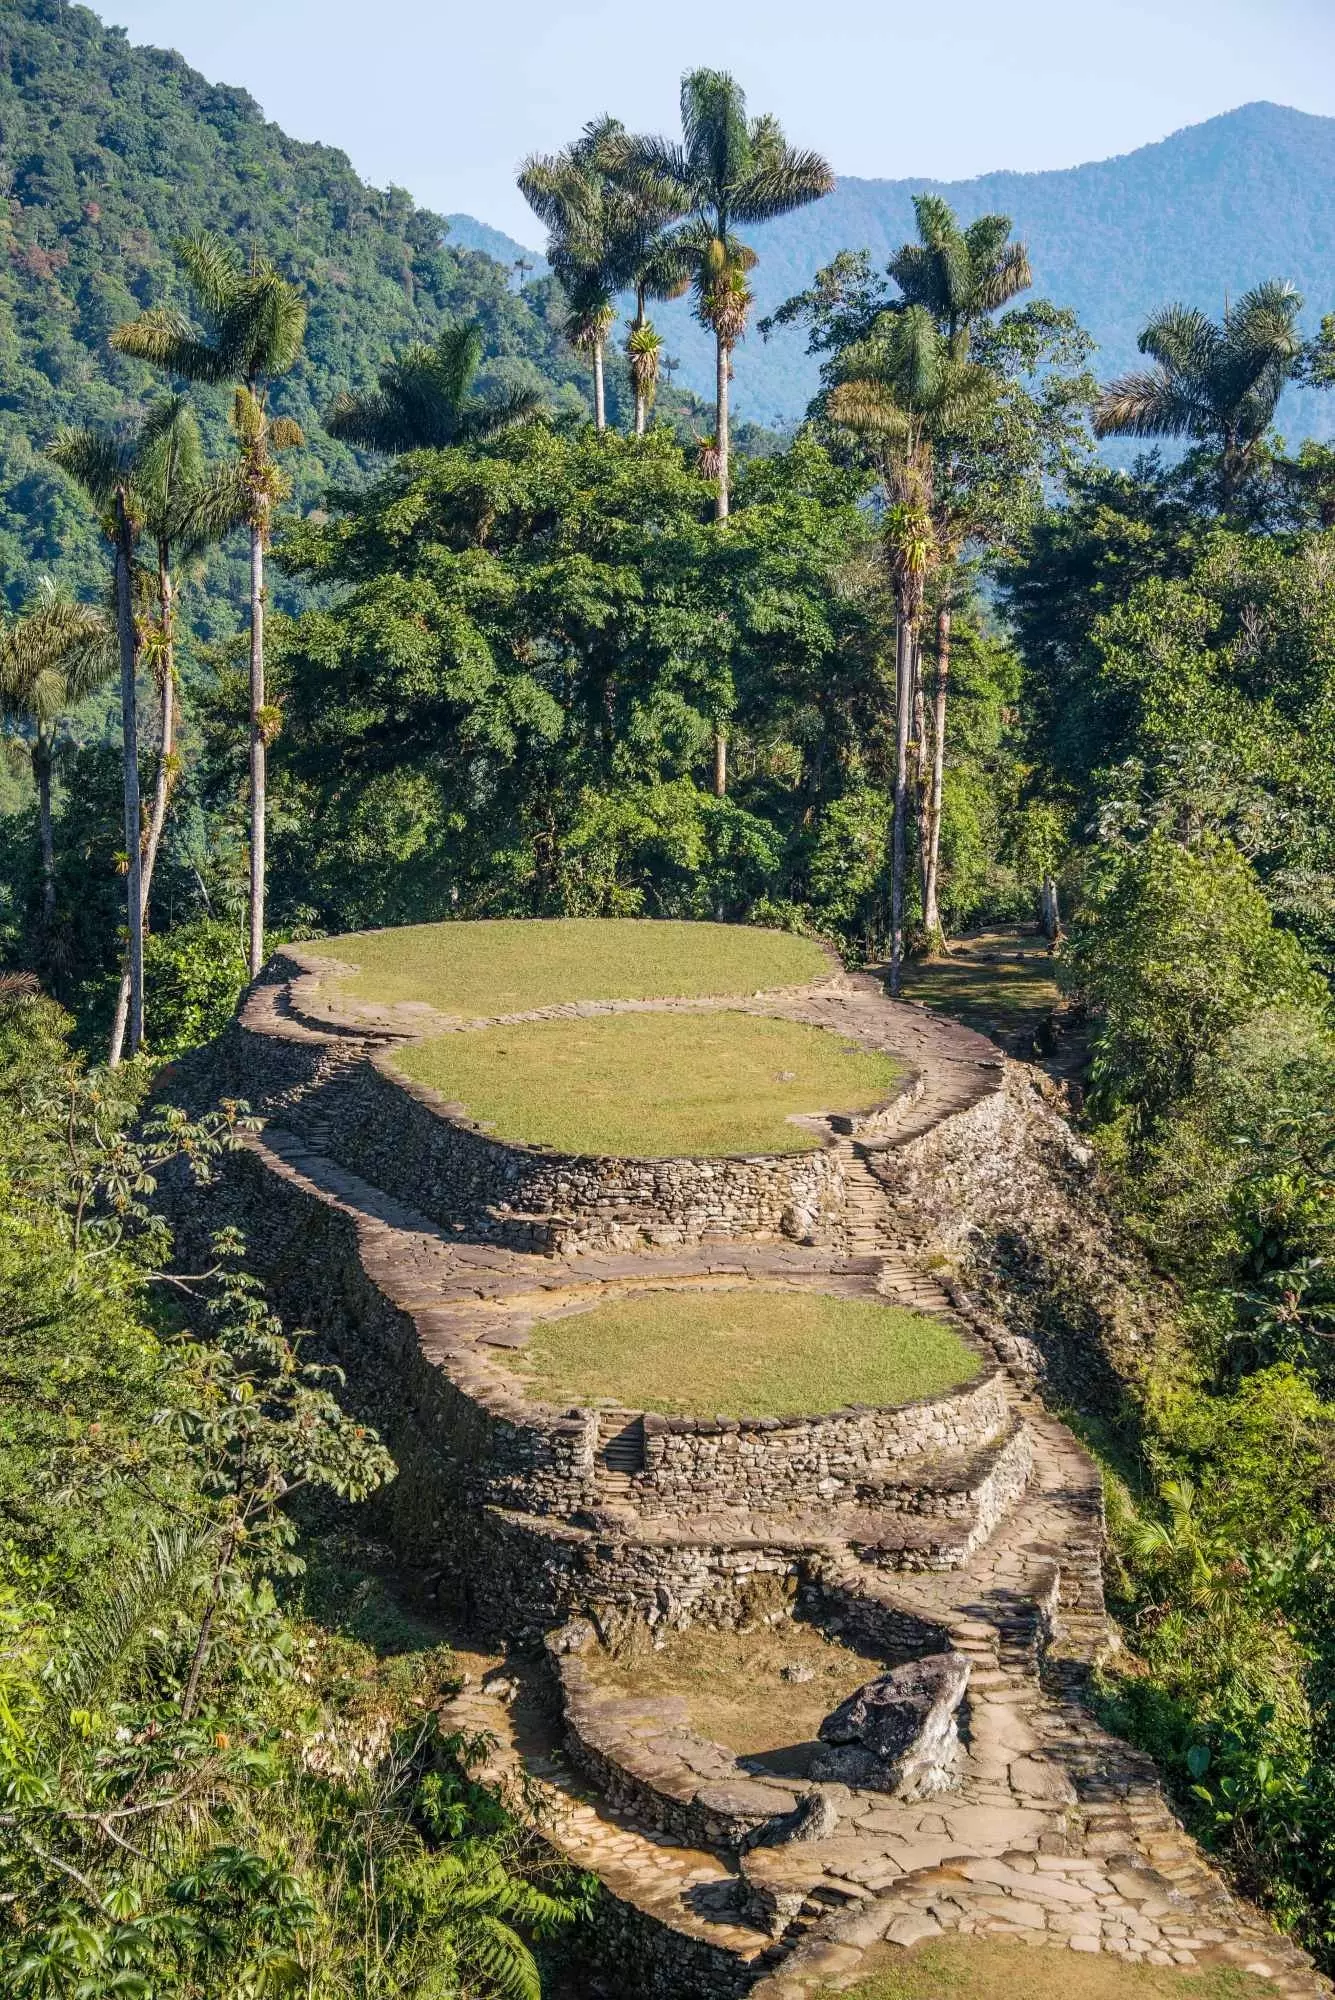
[(1200, 214)]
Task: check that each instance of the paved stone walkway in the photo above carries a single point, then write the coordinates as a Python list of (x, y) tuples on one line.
[(1058, 1834)]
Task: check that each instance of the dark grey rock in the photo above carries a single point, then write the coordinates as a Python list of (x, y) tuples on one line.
[(898, 1733)]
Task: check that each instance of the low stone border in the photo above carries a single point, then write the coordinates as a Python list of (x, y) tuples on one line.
[(644, 1757)]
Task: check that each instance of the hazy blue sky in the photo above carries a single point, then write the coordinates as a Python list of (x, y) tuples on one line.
[(445, 99)]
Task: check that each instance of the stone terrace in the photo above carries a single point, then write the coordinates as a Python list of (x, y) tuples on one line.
[(423, 1250)]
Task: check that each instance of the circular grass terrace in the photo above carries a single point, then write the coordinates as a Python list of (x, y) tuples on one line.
[(653, 1086), (748, 1352), (479, 969)]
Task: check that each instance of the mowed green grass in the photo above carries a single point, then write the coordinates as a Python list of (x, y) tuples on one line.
[(486, 968), (745, 1353), (974, 1968), (652, 1086)]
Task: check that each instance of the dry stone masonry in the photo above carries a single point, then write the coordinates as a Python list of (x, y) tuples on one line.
[(958, 1539)]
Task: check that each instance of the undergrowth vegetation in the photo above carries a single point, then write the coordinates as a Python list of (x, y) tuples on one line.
[(222, 1768)]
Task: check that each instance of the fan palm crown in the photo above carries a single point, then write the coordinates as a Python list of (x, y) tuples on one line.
[(960, 275), (1218, 382), (422, 400)]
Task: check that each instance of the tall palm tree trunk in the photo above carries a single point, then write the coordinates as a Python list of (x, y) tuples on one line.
[(921, 766), (161, 784), (599, 389), (257, 748), (167, 737), (41, 764), (722, 362), (641, 394), (134, 898), (905, 636), (931, 913)]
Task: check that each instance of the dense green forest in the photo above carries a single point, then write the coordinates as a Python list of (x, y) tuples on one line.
[(928, 664), (109, 153)]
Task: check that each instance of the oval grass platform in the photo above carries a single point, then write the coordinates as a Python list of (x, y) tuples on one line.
[(653, 1086), (749, 1352), (481, 969)]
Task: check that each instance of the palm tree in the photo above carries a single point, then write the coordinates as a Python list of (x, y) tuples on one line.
[(961, 276), (255, 322), (422, 400), (727, 170), (104, 468), (595, 236), (1217, 382), (51, 659), (900, 391), (181, 508)]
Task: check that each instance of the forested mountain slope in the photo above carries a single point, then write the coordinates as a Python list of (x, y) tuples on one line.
[(108, 153), (1200, 216)]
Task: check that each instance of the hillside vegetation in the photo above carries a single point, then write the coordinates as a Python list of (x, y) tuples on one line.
[(921, 669), (108, 154)]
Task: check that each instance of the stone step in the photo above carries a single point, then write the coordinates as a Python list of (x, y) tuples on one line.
[(693, 1893)]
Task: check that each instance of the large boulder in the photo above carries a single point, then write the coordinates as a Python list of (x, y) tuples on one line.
[(899, 1733)]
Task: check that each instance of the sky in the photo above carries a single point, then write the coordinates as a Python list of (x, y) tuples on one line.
[(445, 99)]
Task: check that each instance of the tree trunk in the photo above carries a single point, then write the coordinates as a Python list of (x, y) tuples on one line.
[(931, 913), (257, 749), (921, 768), (721, 428), (1051, 910), (721, 514), (163, 778), (641, 392), (599, 392), (41, 764), (134, 899), (161, 785), (905, 636)]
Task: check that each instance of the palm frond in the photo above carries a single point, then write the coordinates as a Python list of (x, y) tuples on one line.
[(459, 352), (1182, 339), (213, 269), (717, 140), (96, 462), (164, 1578), (787, 180), (1149, 404), (166, 340), (54, 655), (869, 407), (1004, 275), (479, 421)]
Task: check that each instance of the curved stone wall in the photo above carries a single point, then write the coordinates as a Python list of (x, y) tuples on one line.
[(408, 1140)]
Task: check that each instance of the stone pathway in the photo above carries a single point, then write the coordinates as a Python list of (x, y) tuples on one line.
[(1058, 1834)]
